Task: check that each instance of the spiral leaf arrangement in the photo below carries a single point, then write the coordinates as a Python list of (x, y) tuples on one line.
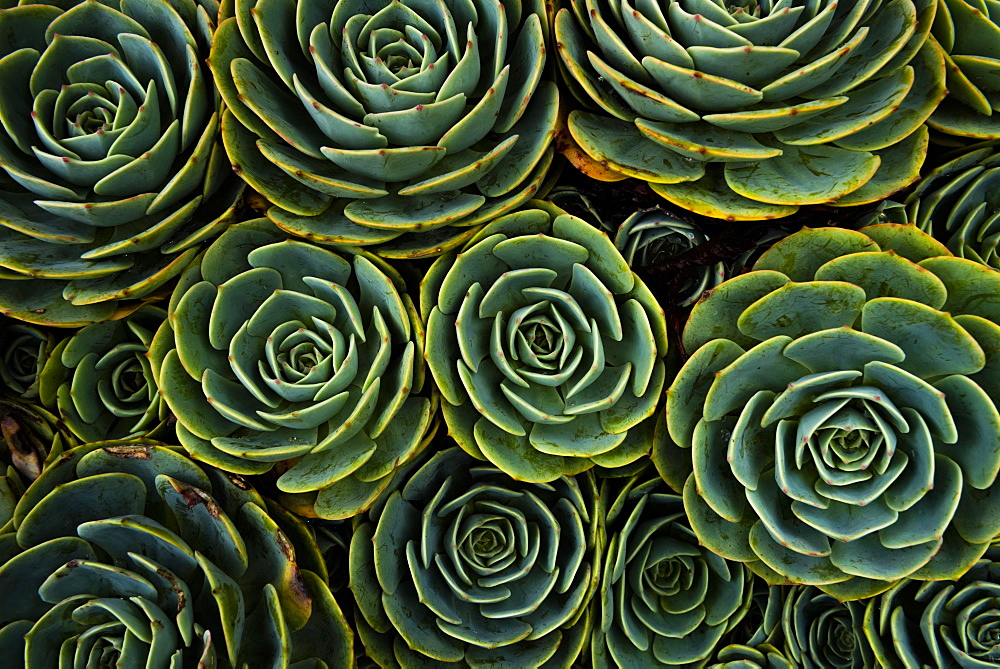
[(466, 333)]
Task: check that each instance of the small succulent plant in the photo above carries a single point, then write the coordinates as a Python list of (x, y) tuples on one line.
[(111, 170), (959, 203), (649, 237), (840, 404), (654, 236), (99, 380), (939, 623), (548, 350), (816, 631), (398, 126), (969, 33), (24, 350), (751, 110), (282, 353), (465, 567), (130, 554), (664, 599)]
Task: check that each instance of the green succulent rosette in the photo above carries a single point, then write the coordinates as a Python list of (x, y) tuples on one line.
[(940, 623), (130, 554), (840, 407), (654, 236), (748, 110), (111, 172), (547, 349), (649, 237), (805, 627), (959, 203), (24, 350), (397, 126), (100, 381), (969, 33), (465, 567), (665, 600), (280, 352)]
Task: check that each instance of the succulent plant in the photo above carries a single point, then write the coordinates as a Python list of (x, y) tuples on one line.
[(392, 125), (280, 351), (969, 33), (664, 599), (748, 110), (100, 381), (130, 554), (959, 203), (648, 237), (840, 404), (25, 349), (546, 347), (111, 172), (655, 236), (939, 623), (814, 630), (465, 567)]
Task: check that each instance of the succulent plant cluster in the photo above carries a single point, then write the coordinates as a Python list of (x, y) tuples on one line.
[(467, 333)]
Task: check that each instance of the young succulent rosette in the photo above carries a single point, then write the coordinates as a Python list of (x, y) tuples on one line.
[(547, 349), (392, 125), (100, 381), (111, 172), (748, 110), (25, 350), (815, 630), (969, 33), (959, 203), (282, 352), (651, 237), (939, 624), (465, 567), (840, 407), (130, 554), (665, 600)]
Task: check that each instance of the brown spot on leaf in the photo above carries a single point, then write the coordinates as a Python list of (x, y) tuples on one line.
[(130, 452)]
